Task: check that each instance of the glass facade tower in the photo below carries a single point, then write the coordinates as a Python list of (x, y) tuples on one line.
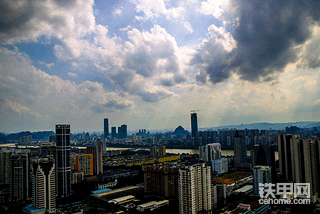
[(63, 162)]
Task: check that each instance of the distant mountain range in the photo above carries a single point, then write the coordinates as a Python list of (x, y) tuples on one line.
[(266, 126), (42, 135)]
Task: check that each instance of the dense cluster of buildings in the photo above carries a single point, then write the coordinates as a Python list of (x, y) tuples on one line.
[(46, 176)]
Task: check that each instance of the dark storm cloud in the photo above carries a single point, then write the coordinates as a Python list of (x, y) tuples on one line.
[(267, 36), (23, 20)]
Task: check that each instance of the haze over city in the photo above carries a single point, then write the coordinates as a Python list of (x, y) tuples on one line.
[(147, 64)]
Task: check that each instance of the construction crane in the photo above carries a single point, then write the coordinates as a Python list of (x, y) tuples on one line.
[(193, 111)]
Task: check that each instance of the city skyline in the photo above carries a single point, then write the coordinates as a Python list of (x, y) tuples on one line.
[(148, 64)]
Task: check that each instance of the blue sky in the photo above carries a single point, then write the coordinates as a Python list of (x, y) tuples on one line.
[(148, 63)]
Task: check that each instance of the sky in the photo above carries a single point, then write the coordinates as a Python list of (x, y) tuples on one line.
[(148, 63)]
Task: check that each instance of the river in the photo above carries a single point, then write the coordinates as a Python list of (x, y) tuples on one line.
[(174, 151)]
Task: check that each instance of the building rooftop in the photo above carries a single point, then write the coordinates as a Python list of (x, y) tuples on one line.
[(244, 189)]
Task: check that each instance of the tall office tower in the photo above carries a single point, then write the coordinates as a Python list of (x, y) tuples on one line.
[(261, 174), (5, 155), (161, 181), (44, 184), (194, 125), (120, 135), (96, 151), (195, 191), (240, 152), (154, 151), (114, 132), (106, 127), (305, 164), (20, 175), (264, 156), (63, 168), (124, 130), (84, 163)]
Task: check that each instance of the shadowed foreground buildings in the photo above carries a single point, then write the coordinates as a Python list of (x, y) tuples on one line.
[(161, 181), (299, 160), (20, 175)]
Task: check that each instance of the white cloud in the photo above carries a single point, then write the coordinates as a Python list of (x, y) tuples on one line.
[(49, 65), (70, 74), (157, 8), (118, 11), (61, 19), (42, 96)]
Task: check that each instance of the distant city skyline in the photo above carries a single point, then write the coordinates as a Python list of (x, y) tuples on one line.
[(148, 64)]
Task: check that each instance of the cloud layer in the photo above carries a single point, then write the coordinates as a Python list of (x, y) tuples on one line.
[(148, 63), (267, 37)]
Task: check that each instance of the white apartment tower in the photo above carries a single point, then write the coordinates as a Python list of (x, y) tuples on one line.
[(195, 192), (210, 152), (44, 184)]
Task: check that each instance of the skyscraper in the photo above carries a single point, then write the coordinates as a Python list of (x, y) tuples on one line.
[(96, 151), (124, 131), (194, 124), (305, 164), (44, 184), (194, 187), (113, 132), (63, 160), (240, 152), (119, 132), (106, 127), (285, 157)]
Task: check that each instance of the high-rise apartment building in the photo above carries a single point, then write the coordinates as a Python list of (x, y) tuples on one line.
[(210, 152), (96, 151), (161, 181), (84, 163), (195, 191), (44, 184), (194, 125), (261, 174), (20, 175), (240, 152), (106, 127), (219, 194), (305, 164), (5, 155), (63, 168)]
